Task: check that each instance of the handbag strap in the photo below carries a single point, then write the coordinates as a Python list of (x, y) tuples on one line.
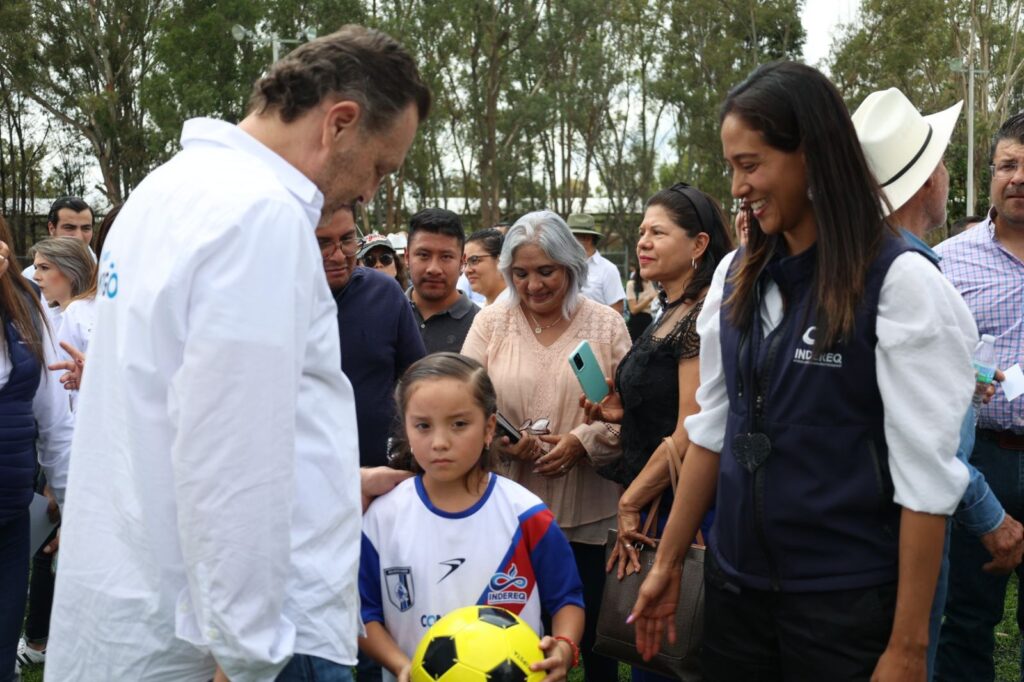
[(649, 525), (675, 463)]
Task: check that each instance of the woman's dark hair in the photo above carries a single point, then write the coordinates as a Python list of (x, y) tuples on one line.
[(694, 212), (432, 367), (20, 304), (797, 109), (490, 239), (638, 282), (353, 63)]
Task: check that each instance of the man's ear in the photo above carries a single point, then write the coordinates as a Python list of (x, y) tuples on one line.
[(341, 117), (52, 229)]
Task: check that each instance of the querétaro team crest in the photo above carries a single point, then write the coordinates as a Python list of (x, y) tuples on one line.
[(398, 580)]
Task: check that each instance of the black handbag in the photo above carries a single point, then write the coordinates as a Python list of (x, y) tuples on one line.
[(617, 640)]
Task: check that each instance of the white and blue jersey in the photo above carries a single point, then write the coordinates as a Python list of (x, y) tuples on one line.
[(419, 562)]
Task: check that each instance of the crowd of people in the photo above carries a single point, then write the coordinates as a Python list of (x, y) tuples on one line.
[(295, 447)]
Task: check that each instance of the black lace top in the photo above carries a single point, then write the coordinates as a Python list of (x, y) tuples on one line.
[(648, 381)]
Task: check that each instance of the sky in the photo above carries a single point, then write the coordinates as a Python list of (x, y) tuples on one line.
[(821, 20)]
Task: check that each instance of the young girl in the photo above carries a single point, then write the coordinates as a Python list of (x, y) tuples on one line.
[(456, 534)]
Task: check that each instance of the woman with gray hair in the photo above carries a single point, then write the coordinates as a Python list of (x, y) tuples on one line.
[(64, 269), (525, 343)]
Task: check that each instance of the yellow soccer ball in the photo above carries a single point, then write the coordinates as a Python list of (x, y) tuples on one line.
[(478, 644)]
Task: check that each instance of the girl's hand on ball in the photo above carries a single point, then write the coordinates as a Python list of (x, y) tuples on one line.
[(559, 657), (405, 674)]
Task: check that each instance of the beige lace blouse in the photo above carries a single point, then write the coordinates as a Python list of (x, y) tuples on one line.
[(538, 391)]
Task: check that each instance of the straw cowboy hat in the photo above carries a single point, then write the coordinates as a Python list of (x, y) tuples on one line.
[(902, 147)]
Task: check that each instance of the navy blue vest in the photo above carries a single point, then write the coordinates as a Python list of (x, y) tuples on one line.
[(818, 514), (17, 427)]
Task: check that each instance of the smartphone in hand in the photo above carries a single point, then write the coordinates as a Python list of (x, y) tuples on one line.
[(588, 372), (505, 428)]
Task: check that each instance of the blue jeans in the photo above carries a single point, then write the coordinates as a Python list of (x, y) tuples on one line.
[(14, 541), (974, 605), (305, 668)]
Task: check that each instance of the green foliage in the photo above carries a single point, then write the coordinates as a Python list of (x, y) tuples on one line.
[(83, 64), (715, 44), (536, 102)]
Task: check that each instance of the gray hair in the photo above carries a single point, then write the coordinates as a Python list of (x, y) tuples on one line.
[(547, 230), (71, 257)]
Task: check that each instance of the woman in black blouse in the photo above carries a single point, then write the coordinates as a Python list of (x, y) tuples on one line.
[(682, 239)]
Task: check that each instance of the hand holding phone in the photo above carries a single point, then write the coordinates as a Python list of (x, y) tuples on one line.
[(588, 372), (505, 428)]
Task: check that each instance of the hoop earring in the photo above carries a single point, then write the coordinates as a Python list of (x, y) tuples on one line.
[(810, 194), (693, 263)]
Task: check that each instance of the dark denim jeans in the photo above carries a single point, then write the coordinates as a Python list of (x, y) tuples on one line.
[(305, 668), (974, 605), (14, 541)]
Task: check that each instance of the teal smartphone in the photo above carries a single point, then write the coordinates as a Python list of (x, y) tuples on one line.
[(588, 372)]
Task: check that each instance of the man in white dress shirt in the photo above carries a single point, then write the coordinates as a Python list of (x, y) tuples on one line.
[(213, 526), (604, 282)]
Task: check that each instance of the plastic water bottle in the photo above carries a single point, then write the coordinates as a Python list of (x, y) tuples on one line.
[(984, 365)]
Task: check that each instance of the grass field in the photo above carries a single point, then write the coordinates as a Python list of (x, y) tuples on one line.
[(1006, 654)]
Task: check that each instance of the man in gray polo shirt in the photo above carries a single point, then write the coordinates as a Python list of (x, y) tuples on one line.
[(434, 258)]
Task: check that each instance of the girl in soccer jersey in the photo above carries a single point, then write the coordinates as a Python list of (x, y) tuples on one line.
[(457, 534)]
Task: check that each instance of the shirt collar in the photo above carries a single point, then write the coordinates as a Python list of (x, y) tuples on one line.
[(457, 310), (207, 131), (920, 245)]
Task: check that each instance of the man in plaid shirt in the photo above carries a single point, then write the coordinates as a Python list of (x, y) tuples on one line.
[(986, 265)]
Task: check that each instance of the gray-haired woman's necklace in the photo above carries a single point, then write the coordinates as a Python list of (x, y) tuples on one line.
[(537, 328)]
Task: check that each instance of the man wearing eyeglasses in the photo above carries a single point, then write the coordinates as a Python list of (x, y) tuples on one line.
[(986, 265), (379, 335)]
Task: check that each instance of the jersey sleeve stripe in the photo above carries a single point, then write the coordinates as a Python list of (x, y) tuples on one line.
[(371, 606)]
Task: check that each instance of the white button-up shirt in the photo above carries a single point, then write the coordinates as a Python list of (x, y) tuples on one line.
[(604, 283), (214, 507)]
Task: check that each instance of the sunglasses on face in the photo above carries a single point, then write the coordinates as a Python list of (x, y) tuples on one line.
[(370, 260)]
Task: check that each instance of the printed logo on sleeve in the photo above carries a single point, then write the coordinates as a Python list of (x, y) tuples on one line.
[(508, 587)]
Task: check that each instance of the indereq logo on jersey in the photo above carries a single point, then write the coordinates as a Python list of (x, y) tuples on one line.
[(508, 587)]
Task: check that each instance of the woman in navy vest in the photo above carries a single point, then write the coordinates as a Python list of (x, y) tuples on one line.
[(34, 418), (824, 426)]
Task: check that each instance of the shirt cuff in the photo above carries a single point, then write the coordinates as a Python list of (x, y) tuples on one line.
[(979, 512)]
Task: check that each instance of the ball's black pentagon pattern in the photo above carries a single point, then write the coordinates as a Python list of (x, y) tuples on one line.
[(507, 672), (439, 657), (497, 617)]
